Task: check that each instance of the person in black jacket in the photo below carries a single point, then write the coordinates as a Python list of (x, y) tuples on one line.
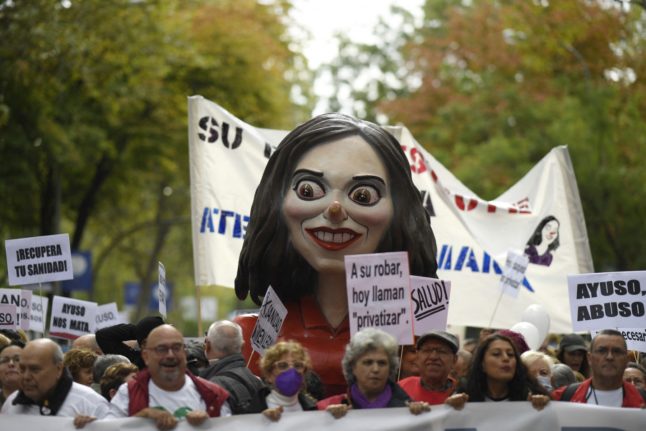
[(227, 367), (112, 339)]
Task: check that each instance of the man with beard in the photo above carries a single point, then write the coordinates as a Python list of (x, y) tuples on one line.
[(608, 357), (165, 391), (436, 357)]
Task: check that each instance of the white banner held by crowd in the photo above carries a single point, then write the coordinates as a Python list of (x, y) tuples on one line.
[(38, 315), (378, 288), (608, 300), (39, 259), (72, 318), (271, 316), (430, 303), (541, 214)]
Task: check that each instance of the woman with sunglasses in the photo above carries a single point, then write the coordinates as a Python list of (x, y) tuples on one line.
[(283, 368)]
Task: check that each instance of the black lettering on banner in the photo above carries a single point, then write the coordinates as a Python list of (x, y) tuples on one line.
[(10, 299), (209, 124), (59, 322), (429, 300), (381, 319), (353, 273), (7, 319), (610, 309), (387, 268), (272, 316)]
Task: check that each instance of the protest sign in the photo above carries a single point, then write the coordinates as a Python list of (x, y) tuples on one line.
[(38, 259), (72, 318), (271, 316), (513, 273), (38, 314), (8, 316), (635, 338), (161, 290), (14, 297), (430, 303), (24, 313), (607, 300), (107, 315), (378, 288)]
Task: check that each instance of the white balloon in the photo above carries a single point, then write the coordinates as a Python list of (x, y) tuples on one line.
[(529, 332), (539, 317)]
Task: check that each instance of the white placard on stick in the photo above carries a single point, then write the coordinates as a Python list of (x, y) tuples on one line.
[(13, 297), (8, 316), (161, 290), (25, 309), (107, 315), (635, 338), (72, 318), (378, 288), (607, 300), (39, 259), (270, 319), (38, 315), (513, 273), (430, 303)]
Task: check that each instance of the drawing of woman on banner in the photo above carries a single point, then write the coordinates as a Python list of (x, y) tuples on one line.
[(335, 186), (543, 242)]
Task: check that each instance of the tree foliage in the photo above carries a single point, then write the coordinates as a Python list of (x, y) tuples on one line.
[(93, 119)]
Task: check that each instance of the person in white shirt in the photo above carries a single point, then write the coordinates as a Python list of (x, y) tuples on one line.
[(47, 388)]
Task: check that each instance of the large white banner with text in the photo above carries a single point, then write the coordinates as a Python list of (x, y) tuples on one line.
[(475, 417), (541, 215)]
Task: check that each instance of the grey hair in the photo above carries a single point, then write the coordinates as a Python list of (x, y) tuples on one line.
[(225, 336), (531, 356), (365, 341), (103, 362), (58, 355), (562, 375)]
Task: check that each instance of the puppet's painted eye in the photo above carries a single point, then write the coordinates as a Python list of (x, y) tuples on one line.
[(309, 190), (365, 195)]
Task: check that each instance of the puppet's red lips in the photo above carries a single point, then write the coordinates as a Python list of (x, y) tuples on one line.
[(333, 239)]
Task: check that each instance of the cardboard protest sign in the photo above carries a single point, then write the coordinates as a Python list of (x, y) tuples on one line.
[(15, 297), (271, 316), (635, 338), (39, 259), (38, 314), (607, 300), (513, 273), (379, 294), (24, 313), (161, 290), (107, 315), (8, 316), (72, 318), (430, 303)]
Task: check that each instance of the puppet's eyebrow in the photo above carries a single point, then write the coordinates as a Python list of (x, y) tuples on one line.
[(307, 171), (369, 177)]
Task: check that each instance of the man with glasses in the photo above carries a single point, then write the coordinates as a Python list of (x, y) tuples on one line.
[(165, 391), (436, 357), (608, 357)]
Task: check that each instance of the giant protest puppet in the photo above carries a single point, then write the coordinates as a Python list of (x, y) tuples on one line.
[(335, 186)]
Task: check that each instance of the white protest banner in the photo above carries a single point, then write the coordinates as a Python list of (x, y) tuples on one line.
[(24, 313), (228, 156), (271, 316), (8, 316), (39, 259), (430, 303), (513, 273), (378, 288), (607, 300), (509, 416), (38, 315), (107, 315), (72, 318), (13, 297), (161, 290), (635, 338)]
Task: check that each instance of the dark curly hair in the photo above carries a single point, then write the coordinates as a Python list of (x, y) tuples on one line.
[(268, 256), (537, 236)]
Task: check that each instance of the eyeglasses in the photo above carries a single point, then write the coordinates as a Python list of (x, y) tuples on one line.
[(284, 365), (162, 349), (6, 359), (616, 351), (439, 350)]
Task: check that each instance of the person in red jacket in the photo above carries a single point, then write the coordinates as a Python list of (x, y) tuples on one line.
[(608, 357), (335, 186), (165, 391)]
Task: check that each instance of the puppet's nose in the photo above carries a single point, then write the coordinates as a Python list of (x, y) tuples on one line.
[(335, 212)]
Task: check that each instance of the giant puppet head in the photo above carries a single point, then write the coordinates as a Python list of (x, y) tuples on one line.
[(335, 186)]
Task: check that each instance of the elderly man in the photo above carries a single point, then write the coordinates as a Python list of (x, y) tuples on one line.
[(227, 368), (48, 389), (436, 357), (608, 357), (165, 391), (88, 342)]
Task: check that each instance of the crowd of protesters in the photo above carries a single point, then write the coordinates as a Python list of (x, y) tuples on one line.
[(148, 370)]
